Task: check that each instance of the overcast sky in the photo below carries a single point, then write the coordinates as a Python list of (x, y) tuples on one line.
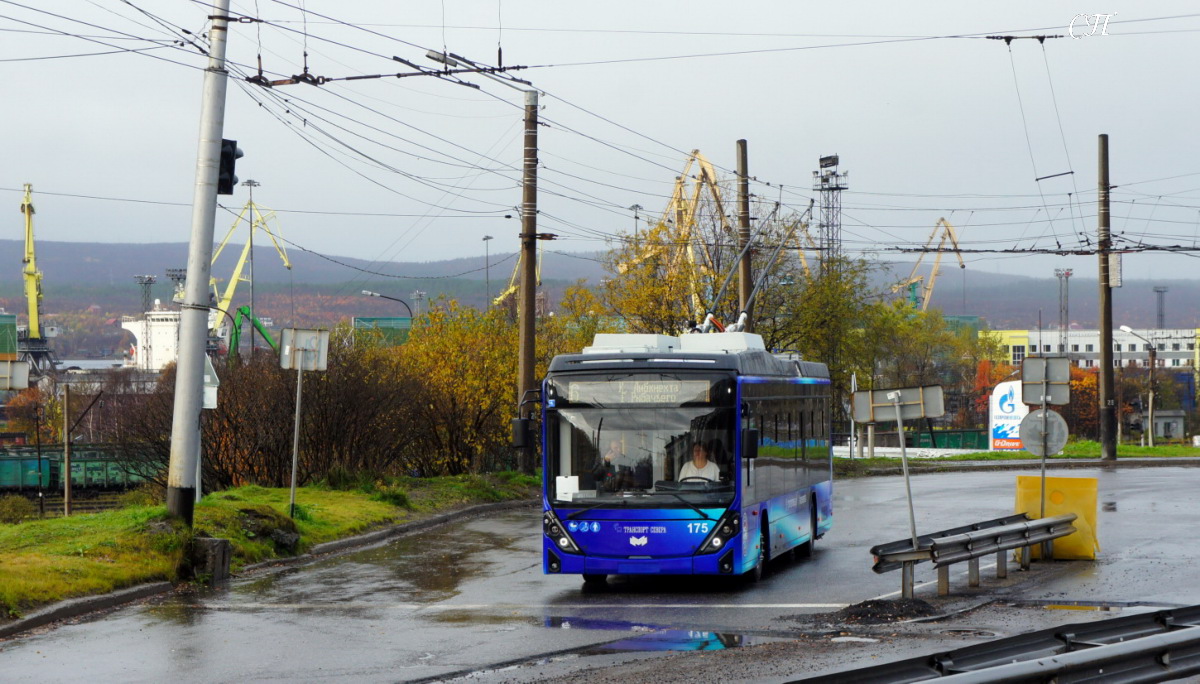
[(930, 118)]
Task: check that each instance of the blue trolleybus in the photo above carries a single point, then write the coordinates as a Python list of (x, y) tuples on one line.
[(694, 455)]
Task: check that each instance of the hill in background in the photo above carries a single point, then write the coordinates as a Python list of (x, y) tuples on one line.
[(322, 289)]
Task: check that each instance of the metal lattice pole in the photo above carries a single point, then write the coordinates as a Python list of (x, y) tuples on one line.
[(830, 183), (146, 281), (1160, 291), (1064, 318)]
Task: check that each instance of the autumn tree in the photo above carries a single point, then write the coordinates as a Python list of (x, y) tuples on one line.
[(1083, 412), (37, 414), (466, 361)]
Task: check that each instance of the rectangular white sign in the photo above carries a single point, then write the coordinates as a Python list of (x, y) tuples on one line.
[(1006, 412), (307, 347)]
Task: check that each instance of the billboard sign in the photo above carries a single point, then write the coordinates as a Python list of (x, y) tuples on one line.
[(1006, 412)]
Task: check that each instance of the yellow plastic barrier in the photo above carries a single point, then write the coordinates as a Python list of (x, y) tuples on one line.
[(1063, 495)]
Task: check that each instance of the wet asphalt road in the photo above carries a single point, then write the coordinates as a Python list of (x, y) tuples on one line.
[(471, 596)]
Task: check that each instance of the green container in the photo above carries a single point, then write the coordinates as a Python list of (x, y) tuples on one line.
[(393, 329), (10, 473), (8, 337), (949, 439)]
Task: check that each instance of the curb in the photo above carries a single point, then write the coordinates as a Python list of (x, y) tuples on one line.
[(76, 607), (81, 606), (361, 541), (928, 467)]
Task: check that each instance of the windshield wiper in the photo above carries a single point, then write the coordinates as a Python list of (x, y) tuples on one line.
[(693, 506), (600, 504)]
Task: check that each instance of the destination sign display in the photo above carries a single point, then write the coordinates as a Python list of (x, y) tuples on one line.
[(670, 392)]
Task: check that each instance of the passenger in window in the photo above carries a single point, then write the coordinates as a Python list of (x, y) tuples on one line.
[(700, 465), (608, 467)]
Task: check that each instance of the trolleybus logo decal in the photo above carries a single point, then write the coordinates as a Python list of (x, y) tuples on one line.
[(638, 541)]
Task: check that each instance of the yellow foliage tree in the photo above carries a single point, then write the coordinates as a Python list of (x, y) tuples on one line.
[(467, 361)]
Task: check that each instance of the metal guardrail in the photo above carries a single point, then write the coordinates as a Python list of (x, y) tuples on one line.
[(1151, 647), (970, 543)]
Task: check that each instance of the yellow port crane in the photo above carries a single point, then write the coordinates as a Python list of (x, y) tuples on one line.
[(32, 346), (914, 280), (33, 277), (683, 209), (514, 283), (258, 221)]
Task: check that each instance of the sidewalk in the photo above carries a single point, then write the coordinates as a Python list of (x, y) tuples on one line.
[(926, 457)]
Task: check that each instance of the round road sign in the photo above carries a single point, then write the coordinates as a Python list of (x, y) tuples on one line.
[(1031, 433)]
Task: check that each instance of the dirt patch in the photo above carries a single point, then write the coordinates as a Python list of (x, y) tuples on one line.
[(876, 612)]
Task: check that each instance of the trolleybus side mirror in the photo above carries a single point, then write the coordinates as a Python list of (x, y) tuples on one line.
[(750, 443), (521, 428)]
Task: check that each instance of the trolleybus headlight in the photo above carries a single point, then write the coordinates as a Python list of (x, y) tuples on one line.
[(727, 528), (553, 529)]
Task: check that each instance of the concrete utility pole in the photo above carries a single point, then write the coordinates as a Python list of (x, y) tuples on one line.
[(528, 295), (745, 273), (1108, 412), (193, 324)]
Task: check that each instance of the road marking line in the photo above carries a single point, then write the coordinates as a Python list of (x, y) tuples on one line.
[(514, 606)]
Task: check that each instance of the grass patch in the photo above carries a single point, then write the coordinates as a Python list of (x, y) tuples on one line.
[(42, 561), (57, 558)]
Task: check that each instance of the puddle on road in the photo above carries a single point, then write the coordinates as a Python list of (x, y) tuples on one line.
[(646, 638), (422, 568), (477, 618)]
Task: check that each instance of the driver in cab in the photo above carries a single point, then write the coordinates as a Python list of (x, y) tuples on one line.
[(700, 466)]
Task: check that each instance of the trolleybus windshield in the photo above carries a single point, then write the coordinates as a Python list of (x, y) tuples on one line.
[(624, 441)]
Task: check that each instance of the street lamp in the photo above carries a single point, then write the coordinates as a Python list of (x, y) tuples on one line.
[(1153, 364), (636, 208), (487, 273), (383, 296)]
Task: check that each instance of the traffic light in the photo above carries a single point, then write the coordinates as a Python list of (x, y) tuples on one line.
[(230, 153)]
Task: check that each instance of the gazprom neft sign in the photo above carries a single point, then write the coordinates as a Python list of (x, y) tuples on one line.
[(1006, 412)]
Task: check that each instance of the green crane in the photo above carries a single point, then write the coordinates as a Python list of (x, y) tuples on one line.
[(235, 333)]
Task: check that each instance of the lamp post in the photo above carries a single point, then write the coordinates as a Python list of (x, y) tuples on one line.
[(487, 273), (37, 433), (1153, 364), (383, 296), (636, 208)]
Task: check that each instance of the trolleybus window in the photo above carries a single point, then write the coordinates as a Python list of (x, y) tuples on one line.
[(623, 442)]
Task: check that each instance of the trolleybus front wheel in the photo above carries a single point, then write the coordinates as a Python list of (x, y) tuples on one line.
[(760, 568)]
